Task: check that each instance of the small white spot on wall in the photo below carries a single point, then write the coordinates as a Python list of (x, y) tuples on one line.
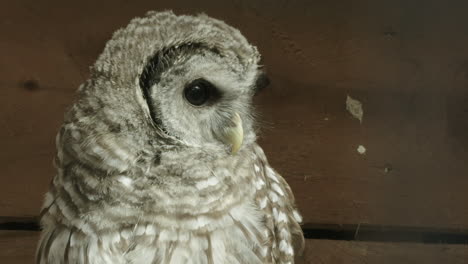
[(354, 107), (361, 149)]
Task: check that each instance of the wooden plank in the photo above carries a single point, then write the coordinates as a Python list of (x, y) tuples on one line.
[(17, 247), (346, 252), (405, 61), (405, 64)]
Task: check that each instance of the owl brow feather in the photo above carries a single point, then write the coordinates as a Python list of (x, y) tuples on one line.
[(160, 62)]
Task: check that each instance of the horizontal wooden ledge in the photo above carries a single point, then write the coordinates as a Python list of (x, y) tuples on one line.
[(348, 232), (386, 233), (18, 247), (352, 252)]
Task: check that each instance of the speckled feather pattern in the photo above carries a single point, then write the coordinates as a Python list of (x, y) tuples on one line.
[(129, 189)]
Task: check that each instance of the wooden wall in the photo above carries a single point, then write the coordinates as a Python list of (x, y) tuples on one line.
[(405, 61)]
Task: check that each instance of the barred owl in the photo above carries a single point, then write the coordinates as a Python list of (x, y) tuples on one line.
[(157, 160)]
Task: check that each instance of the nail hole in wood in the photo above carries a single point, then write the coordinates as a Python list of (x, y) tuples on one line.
[(31, 85)]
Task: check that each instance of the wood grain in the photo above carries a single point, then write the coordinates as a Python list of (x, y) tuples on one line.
[(18, 247), (407, 62), (345, 252)]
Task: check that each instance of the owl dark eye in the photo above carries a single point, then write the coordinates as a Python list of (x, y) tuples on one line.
[(199, 92)]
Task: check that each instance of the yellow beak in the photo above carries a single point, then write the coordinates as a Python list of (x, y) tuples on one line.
[(234, 135)]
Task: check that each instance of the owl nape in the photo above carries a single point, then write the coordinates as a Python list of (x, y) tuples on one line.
[(179, 87)]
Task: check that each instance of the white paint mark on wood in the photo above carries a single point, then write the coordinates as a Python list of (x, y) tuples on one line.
[(354, 107), (361, 149)]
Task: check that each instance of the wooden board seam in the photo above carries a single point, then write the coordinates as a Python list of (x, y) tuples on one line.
[(348, 232)]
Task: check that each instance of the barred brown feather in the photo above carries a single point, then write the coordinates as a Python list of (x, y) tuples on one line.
[(143, 176)]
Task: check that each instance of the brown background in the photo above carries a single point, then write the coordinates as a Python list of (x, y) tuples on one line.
[(406, 61)]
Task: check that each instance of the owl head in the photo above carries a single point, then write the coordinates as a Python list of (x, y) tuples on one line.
[(166, 82)]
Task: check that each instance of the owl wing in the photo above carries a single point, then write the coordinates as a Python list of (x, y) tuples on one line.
[(275, 198)]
